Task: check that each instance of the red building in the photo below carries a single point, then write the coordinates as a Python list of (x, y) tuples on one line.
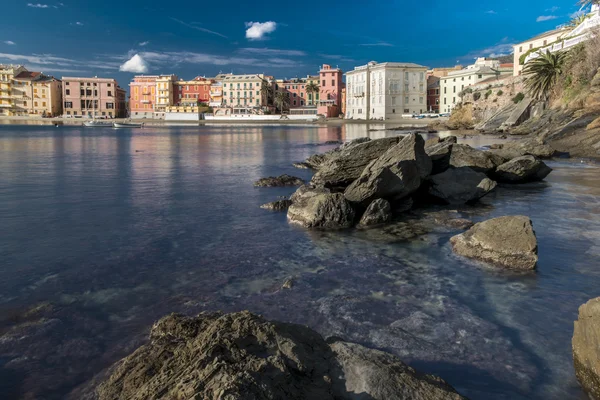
[(192, 92), (433, 94)]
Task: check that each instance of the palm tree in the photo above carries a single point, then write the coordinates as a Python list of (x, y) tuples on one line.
[(542, 72), (312, 88), (585, 3), (266, 90), (282, 100)]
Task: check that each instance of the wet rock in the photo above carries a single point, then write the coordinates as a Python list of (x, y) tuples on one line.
[(345, 167), (302, 190), (466, 156), (521, 170), (496, 146), (354, 142), (288, 284), (243, 356), (314, 161), (395, 175), (440, 155), (279, 181), (279, 205), (533, 147), (319, 209), (586, 347), (458, 223), (460, 186), (378, 212), (506, 241), (302, 165)]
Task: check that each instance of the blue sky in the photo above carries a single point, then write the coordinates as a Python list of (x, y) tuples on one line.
[(191, 38)]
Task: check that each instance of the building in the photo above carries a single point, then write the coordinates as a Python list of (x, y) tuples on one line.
[(193, 92), (243, 94), (522, 50), (37, 94), (93, 97), (11, 90), (344, 101), (165, 94), (452, 85), (433, 94), (296, 90), (385, 91), (330, 91), (142, 92), (313, 97), (216, 94), (441, 72)]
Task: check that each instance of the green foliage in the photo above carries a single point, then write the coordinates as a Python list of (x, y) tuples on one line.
[(518, 98), (476, 96), (500, 92), (282, 100), (541, 73), (488, 94)]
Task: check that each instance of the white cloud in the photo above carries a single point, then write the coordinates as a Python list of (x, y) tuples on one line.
[(135, 64), (49, 62), (144, 43), (378, 44), (77, 23), (9, 42), (266, 51), (198, 28), (168, 59), (491, 12), (258, 30), (553, 9), (504, 48), (543, 18), (37, 5)]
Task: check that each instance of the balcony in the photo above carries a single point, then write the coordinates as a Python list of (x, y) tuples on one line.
[(4, 105), (145, 101), (216, 93), (163, 96)]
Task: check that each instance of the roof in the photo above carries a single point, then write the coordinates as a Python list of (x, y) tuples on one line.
[(548, 33), (494, 79), (28, 75), (374, 65), (483, 70), (507, 65)]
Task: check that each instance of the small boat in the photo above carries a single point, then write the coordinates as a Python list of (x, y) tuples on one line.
[(127, 125), (97, 124)]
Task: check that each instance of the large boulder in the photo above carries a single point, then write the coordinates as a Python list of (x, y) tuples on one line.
[(242, 356), (378, 212), (586, 347), (304, 189), (522, 169), (279, 205), (348, 164), (279, 181), (395, 175), (319, 209), (460, 185), (506, 241), (440, 155), (466, 156), (533, 147)]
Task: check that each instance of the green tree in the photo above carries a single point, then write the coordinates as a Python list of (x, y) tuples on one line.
[(282, 100), (266, 90), (314, 89), (585, 3), (542, 72)]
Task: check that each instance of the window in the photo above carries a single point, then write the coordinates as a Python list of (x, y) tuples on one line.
[(445, 90), (420, 100), (453, 100), (95, 93), (68, 92), (109, 93), (108, 84), (88, 84), (67, 83), (24, 103), (520, 49), (530, 46), (545, 42), (88, 92), (333, 82), (110, 106), (406, 75), (323, 82), (406, 100), (95, 84), (294, 94), (480, 76), (196, 88), (43, 104)]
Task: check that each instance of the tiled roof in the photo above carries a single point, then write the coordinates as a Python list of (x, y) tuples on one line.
[(28, 75)]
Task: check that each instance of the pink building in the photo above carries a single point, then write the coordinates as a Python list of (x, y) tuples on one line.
[(330, 93), (89, 97), (296, 89), (142, 92)]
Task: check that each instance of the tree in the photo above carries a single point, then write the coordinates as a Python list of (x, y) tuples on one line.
[(585, 3), (282, 100), (266, 90), (312, 88), (542, 72)]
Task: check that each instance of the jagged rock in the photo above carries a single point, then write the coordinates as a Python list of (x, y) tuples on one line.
[(378, 212), (348, 164), (302, 190), (395, 175), (533, 147), (319, 209), (502, 155), (243, 356), (506, 241), (586, 347), (465, 156), (460, 185), (279, 181), (302, 165), (596, 79), (521, 170), (354, 142), (440, 154), (288, 284), (279, 205)]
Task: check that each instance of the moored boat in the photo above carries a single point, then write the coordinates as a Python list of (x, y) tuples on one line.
[(97, 124), (127, 125)]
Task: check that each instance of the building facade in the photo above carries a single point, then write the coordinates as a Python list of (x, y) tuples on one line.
[(433, 94), (452, 85), (313, 97), (385, 91), (522, 50), (142, 92), (216, 94), (165, 93), (330, 91), (39, 94), (93, 97), (192, 92), (243, 93), (12, 93), (296, 90)]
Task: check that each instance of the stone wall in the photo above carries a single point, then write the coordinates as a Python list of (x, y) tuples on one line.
[(484, 108)]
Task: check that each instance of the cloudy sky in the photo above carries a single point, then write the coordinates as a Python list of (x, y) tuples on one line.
[(190, 38)]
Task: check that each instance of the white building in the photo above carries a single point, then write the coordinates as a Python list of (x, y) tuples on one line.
[(386, 91), (456, 81)]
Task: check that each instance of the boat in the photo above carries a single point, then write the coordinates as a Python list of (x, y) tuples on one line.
[(97, 124), (126, 125)]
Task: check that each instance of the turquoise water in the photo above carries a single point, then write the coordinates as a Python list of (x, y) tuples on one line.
[(104, 231)]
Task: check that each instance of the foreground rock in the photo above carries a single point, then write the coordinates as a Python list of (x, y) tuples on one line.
[(460, 186), (279, 181), (378, 212), (316, 208), (586, 347), (531, 147), (351, 160), (395, 175), (279, 205), (440, 151), (506, 241), (466, 156), (522, 169), (243, 356)]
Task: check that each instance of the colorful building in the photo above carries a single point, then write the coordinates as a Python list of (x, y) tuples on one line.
[(433, 94), (38, 94), (243, 94), (313, 98), (12, 93), (165, 94), (330, 91), (192, 92), (93, 97), (216, 94), (142, 92)]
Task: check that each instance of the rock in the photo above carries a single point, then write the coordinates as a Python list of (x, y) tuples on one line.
[(466, 156), (302, 190), (302, 165), (282, 180), (458, 223), (498, 157), (341, 170), (319, 209), (314, 161), (279, 205), (533, 147), (395, 175), (328, 142), (586, 347), (243, 356), (496, 146), (378, 212), (354, 142), (596, 79), (506, 241), (288, 284), (440, 156), (521, 170), (460, 185)]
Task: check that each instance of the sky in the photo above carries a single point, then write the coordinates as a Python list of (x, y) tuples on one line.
[(120, 39)]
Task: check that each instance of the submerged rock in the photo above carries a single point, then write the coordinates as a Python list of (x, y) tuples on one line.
[(506, 241), (466, 156), (279, 205), (243, 356), (302, 165), (460, 186), (279, 181), (378, 212), (395, 175), (522, 169), (319, 209), (586, 347)]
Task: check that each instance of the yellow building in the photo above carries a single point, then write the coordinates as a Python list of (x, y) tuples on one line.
[(165, 93), (216, 94), (37, 94), (7, 87)]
